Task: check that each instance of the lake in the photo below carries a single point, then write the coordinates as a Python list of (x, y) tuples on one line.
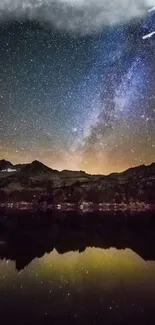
[(77, 273)]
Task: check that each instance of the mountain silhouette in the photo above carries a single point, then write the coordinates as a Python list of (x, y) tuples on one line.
[(22, 245), (36, 180), (4, 164)]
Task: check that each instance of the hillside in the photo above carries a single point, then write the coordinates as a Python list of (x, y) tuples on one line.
[(39, 183)]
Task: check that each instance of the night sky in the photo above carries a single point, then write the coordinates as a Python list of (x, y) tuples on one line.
[(77, 99)]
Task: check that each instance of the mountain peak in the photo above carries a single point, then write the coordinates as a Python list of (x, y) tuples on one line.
[(37, 163), (4, 164), (35, 167)]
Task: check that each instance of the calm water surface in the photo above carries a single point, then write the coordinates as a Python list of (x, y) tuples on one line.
[(93, 286)]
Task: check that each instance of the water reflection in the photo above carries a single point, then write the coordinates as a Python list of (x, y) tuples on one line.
[(77, 274), (24, 245)]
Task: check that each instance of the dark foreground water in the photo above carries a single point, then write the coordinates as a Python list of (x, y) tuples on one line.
[(77, 273)]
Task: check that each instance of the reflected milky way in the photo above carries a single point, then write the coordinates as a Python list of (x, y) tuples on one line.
[(75, 271), (92, 285)]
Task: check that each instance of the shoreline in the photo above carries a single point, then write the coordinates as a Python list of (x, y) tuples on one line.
[(83, 206)]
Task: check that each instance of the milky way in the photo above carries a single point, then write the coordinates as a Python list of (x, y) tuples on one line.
[(78, 101)]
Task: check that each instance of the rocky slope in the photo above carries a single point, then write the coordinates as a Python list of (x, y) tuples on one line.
[(38, 183)]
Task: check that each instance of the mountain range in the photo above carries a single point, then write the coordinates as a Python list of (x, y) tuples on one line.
[(37, 182)]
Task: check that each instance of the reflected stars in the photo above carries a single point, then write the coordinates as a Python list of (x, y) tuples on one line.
[(80, 286)]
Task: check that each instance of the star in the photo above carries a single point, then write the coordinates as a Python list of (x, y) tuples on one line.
[(81, 102)]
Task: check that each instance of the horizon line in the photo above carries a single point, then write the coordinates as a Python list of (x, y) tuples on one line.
[(70, 170)]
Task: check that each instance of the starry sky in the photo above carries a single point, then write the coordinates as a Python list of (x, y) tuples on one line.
[(77, 100)]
